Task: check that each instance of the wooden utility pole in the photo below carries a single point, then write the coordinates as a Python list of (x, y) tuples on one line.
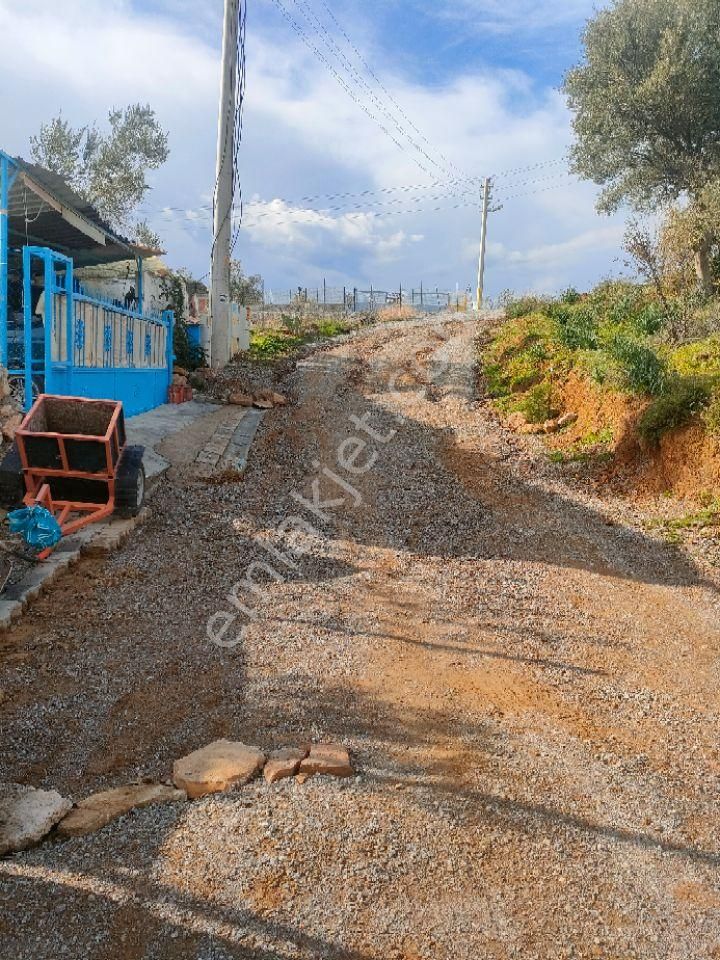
[(483, 243), (224, 189)]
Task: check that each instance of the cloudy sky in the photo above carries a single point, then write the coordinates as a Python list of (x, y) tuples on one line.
[(462, 90)]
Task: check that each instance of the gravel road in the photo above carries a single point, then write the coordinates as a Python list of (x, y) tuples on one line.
[(527, 681)]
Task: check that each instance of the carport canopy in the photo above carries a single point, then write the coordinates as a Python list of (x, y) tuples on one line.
[(44, 211)]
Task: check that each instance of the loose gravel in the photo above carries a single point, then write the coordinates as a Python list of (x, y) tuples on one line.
[(526, 678)]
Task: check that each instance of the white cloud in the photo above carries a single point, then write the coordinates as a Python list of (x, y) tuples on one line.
[(277, 224), (528, 16), (556, 254), (304, 136)]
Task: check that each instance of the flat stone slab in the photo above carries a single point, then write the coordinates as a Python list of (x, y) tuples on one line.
[(218, 767), (27, 815), (328, 759), (283, 763), (96, 811)]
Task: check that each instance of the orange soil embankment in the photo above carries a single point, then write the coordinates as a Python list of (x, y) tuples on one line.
[(686, 462)]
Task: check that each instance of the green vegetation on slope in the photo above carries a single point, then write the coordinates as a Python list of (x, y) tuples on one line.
[(619, 336)]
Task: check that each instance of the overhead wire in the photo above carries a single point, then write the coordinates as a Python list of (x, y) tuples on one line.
[(360, 82), (323, 59), (382, 86)]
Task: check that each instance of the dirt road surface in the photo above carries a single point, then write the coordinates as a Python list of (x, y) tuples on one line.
[(528, 685)]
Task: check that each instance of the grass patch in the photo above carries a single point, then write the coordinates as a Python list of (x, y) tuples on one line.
[(269, 345), (674, 530), (594, 447)]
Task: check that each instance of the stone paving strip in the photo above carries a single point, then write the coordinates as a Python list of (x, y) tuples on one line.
[(229, 446), (27, 814), (227, 449)]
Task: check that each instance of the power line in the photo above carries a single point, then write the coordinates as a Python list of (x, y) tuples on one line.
[(362, 84), (534, 166), (387, 93), (320, 56)]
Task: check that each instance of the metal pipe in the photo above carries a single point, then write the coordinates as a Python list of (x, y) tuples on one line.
[(4, 256)]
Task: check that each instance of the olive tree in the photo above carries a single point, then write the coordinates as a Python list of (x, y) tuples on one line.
[(109, 169), (646, 108)]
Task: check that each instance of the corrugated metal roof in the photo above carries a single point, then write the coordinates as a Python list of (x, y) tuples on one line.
[(44, 210)]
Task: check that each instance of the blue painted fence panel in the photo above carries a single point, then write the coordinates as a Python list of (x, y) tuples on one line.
[(96, 348)]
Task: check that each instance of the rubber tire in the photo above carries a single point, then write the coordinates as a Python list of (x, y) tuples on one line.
[(130, 482), (12, 483)]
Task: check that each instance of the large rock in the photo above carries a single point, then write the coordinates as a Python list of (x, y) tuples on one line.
[(330, 759), (27, 815), (567, 420), (283, 763), (241, 399), (220, 766), (95, 812)]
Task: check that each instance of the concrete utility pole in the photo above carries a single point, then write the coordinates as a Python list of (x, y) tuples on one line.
[(220, 271), (483, 243)]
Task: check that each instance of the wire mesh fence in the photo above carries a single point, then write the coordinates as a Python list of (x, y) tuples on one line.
[(325, 300)]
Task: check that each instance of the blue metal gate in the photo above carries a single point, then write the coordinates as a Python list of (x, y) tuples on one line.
[(89, 346)]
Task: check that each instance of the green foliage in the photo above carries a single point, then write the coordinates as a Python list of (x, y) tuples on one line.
[(268, 345), (699, 358), (570, 296), (187, 354), (613, 336), (107, 169), (537, 404), (645, 104), (272, 344), (592, 448), (243, 289), (514, 309), (641, 368), (332, 327), (146, 236), (578, 325), (672, 530), (681, 400)]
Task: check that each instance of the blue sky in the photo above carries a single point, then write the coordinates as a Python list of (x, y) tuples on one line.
[(478, 78)]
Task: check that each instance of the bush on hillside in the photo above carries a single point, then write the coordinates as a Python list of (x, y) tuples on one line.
[(682, 399)]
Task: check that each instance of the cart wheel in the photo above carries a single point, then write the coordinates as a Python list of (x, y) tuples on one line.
[(12, 483), (130, 482)]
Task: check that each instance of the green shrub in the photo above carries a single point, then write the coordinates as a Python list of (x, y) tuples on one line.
[(598, 366), (682, 398), (515, 309), (577, 325), (332, 328), (642, 369), (536, 404), (570, 296), (701, 358), (272, 344)]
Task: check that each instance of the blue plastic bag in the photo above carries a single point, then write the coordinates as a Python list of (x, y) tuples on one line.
[(38, 526)]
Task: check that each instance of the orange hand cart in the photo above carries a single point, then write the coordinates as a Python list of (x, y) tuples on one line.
[(76, 462)]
